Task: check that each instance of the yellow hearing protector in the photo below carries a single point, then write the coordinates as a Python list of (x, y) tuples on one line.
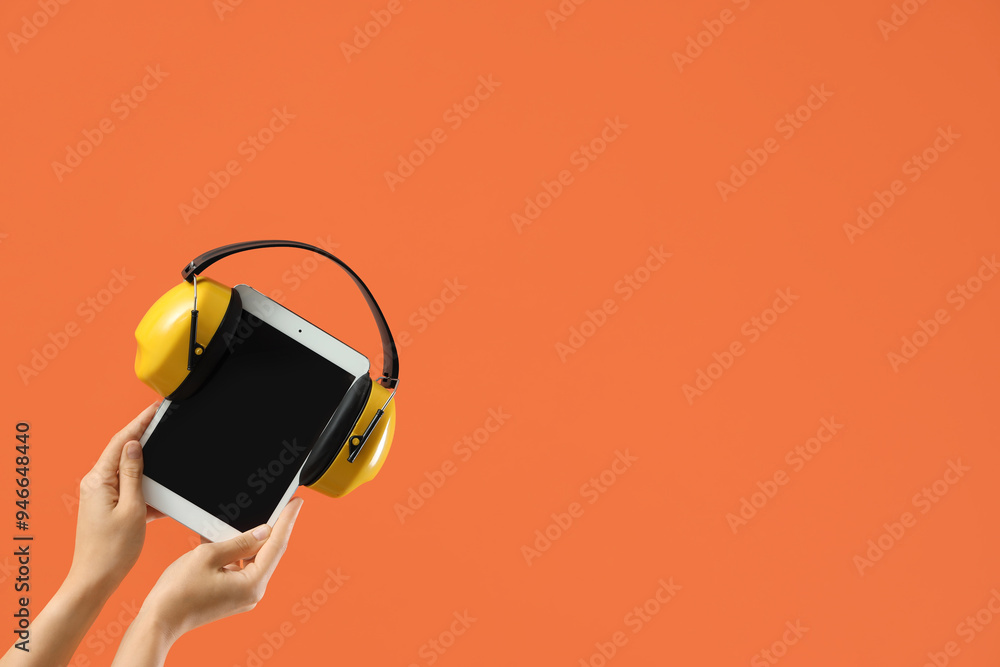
[(179, 345)]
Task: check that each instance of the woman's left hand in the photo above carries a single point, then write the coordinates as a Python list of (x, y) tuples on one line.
[(111, 525)]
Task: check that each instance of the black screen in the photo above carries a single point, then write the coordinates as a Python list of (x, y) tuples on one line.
[(233, 448)]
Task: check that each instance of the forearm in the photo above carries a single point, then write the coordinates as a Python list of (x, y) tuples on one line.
[(145, 644), (61, 625)]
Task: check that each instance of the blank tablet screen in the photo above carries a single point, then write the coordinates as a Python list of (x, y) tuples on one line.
[(234, 447)]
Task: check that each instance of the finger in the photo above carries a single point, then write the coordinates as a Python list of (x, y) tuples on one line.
[(267, 558), (130, 475), (234, 567), (107, 464), (152, 514), (242, 546)]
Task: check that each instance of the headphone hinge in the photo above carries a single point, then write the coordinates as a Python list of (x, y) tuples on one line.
[(356, 442), (194, 349)]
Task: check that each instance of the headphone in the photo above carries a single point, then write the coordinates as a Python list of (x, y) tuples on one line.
[(178, 346)]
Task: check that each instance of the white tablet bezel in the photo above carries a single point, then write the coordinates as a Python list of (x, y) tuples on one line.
[(179, 508)]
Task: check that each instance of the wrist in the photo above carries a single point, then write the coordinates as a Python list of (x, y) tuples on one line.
[(154, 629), (146, 642), (90, 584), (156, 620)]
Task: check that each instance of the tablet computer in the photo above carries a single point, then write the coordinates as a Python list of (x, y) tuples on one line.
[(228, 458)]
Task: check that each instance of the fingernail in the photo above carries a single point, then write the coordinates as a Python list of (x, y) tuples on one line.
[(133, 451), (260, 532)]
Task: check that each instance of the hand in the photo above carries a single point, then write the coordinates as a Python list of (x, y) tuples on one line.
[(207, 583), (111, 524), (110, 530)]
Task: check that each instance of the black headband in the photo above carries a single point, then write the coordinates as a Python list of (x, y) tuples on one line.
[(390, 360)]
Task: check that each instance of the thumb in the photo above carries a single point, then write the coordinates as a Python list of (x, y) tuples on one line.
[(244, 545), (130, 475)]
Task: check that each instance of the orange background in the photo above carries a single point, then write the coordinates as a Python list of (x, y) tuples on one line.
[(656, 184)]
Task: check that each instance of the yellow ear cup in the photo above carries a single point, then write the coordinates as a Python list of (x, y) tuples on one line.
[(344, 476), (163, 334)]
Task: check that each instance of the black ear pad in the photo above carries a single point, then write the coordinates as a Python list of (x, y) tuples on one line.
[(216, 349), (334, 436)]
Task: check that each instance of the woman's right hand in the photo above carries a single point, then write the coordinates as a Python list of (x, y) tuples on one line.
[(207, 583)]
